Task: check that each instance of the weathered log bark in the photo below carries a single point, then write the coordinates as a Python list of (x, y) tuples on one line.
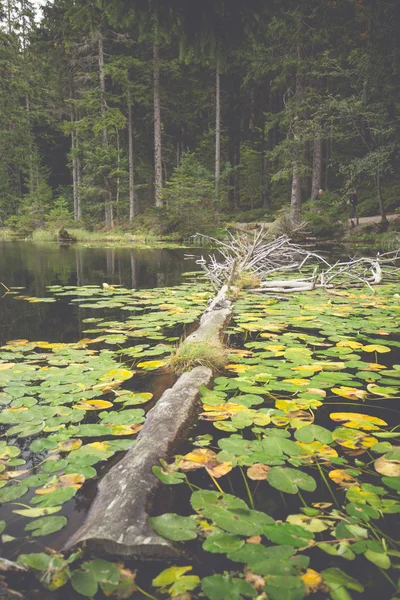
[(117, 521), (213, 319)]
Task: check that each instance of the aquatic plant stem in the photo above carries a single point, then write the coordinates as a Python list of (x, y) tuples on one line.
[(215, 482), (327, 484), (301, 498), (390, 580), (249, 494), (139, 589)]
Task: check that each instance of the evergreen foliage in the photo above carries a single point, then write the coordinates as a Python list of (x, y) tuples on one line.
[(306, 97)]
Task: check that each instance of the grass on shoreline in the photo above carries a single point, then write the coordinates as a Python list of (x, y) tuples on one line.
[(114, 238)]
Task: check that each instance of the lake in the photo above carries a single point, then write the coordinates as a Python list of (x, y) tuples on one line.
[(34, 267)]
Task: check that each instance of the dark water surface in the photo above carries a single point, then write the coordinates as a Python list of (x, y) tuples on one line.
[(34, 267)]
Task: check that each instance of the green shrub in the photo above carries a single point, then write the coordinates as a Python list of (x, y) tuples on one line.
[(325, 217), (59, 215), (189, 199)]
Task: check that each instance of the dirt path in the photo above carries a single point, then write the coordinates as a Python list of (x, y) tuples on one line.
[(377, 219)]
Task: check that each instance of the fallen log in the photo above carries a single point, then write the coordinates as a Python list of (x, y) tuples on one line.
[(117, 523)]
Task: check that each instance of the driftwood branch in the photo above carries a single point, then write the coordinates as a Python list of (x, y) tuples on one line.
[(255, 254)]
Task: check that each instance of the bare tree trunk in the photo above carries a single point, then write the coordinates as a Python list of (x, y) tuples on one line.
[(132, 202), (295, 200), (157, 129), (217, 132), (237, 173), (108, 208), (380, 198), (317, 168), (118, 178), (75, 187)]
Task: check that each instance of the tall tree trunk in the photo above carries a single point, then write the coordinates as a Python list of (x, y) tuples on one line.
[(108, 208), (316, 182), (237, 171), (157, 128), (217, 131), (380, 198), (132, 200), (74, 169), (295, 199), (118, 178)]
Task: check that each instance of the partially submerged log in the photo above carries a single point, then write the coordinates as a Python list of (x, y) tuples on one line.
[(116, 524), (213, 319)]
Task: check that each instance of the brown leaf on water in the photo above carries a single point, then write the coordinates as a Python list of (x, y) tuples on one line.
[(254, 580), (254, 539), (342, 478), (203, 457), (258, 472)]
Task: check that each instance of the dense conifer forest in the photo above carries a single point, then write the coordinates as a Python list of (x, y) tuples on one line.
[(172, 116)]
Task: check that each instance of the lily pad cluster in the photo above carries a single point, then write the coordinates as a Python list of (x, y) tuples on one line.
[(298, 357), (53, 404), (336, 478)]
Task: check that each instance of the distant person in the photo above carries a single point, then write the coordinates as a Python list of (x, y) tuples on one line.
[(353, 200), (318, 195)]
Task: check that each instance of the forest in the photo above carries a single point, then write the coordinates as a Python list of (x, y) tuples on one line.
[(173, 117)]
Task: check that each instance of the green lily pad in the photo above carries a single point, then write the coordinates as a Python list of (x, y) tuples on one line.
[(11, 493), (46, 525), (174, 527), (290, 480)]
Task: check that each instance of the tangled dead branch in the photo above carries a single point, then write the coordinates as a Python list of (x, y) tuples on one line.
[(255, 255)]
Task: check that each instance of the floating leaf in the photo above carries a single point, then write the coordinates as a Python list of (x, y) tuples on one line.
[(11, 493), (74, 480), (288, 534), (258, 472), (32, 513), (376, 348), (290, 480), (358, 420), (94, 404), (149, 365), (223, 543), (203, 457), (342, 478), (225, 587), (46, 525), (386, 391), (168, 477), (350, 393), (388, 467), (174, 527)]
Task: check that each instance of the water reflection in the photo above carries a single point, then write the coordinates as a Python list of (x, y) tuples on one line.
[(36, 266)]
